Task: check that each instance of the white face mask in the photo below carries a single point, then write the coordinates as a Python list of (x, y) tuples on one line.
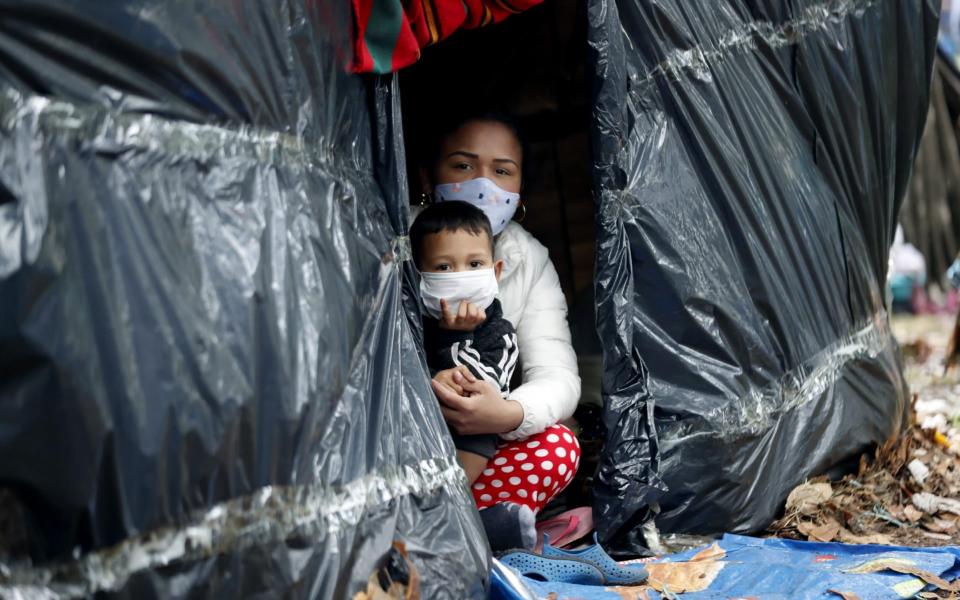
[(497, 203), (477, 287)]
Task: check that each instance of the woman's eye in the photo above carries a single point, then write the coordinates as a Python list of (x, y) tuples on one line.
[(503, 172), (462, 166)]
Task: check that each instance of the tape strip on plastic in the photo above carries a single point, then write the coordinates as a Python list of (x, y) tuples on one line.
[(697, 61), (755, 412), (270, 515)]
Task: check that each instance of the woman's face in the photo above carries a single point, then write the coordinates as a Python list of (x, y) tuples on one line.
[(480, 149)]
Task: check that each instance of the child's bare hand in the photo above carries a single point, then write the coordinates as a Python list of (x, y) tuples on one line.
[(467, 317), (446, 378)]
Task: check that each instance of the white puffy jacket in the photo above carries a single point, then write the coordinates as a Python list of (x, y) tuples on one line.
[(533, 301)]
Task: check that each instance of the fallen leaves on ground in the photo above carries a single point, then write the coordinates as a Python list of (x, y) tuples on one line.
[(395, 579), (820, 533), (845, 595), (694, 575), (808, 497), (908, 492), (711, 552), (882, 503), (899, 566)]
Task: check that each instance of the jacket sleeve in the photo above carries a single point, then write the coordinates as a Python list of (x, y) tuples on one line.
[(443, 346), (551, 384), (491, 356)]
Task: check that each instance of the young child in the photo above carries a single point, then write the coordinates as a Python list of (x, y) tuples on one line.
[(453, 249)]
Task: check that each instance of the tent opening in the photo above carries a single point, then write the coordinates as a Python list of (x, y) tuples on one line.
[(533, 67)]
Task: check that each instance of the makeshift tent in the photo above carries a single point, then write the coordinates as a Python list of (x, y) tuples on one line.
[(750, 160), (211, 383), (209, 386)]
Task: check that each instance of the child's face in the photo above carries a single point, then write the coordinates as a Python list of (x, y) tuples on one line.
[(456, 251)]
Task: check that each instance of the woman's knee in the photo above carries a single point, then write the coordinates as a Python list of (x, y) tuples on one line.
[(557, 449)]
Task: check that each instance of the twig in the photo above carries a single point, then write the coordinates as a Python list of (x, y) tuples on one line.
[(881, 513)]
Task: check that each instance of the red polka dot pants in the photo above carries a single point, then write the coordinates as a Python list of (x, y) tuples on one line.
[(529, 471)]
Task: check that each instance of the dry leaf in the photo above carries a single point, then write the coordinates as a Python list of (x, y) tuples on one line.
[(408, 590), (907, 568), (943, 467), (848, 537), (845, 595), (681, 577), (912, 514), (939, 526), (826, 532), (808, 497), (713, 552), (625, 592), (819, 533)]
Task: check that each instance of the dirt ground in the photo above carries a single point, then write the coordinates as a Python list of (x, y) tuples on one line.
[(909, 492)]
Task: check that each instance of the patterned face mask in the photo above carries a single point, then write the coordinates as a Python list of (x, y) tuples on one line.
[(476, 287), (498, 204)]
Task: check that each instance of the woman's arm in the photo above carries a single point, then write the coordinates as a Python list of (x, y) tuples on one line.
[(551, 384), (481, 410)]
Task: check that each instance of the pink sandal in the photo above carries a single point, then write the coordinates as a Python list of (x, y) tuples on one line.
[(565, 528)]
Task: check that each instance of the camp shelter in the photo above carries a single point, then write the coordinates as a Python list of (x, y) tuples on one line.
[(210, 382)]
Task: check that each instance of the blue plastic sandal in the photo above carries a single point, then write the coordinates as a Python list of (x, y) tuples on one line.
[(614, 573), (559, 569)]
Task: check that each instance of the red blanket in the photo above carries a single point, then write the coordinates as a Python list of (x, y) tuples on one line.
[(388, 34)]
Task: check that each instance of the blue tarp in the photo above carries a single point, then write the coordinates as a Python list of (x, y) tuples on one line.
[(773, 569)]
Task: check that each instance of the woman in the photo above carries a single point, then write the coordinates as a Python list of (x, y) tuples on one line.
[(479, 159)]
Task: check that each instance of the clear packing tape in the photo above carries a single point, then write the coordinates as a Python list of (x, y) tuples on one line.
[(269, 516), (760, 410), (812, 18)]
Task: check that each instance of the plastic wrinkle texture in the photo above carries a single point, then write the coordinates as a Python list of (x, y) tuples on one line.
[(107, 132), (749, 161), (402, 250), (270, 515), (699, 60), (211, 384), (756, 413)]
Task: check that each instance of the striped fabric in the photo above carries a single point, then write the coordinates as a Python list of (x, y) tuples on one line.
[(388, 34)]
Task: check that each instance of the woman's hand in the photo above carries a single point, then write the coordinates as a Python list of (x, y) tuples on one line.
[(479, 409), (446, 378)]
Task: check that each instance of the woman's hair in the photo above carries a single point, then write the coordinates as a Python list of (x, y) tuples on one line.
[(430, 152)]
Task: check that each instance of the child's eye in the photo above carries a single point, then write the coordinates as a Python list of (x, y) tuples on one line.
[(442, 267), (476, 264)]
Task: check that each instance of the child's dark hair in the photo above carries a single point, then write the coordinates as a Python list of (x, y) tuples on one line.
[(430, 153), (452, 215)]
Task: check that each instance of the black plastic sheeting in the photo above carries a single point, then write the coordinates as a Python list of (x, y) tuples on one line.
[(750, 160), (931, 210), (209, 384)]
